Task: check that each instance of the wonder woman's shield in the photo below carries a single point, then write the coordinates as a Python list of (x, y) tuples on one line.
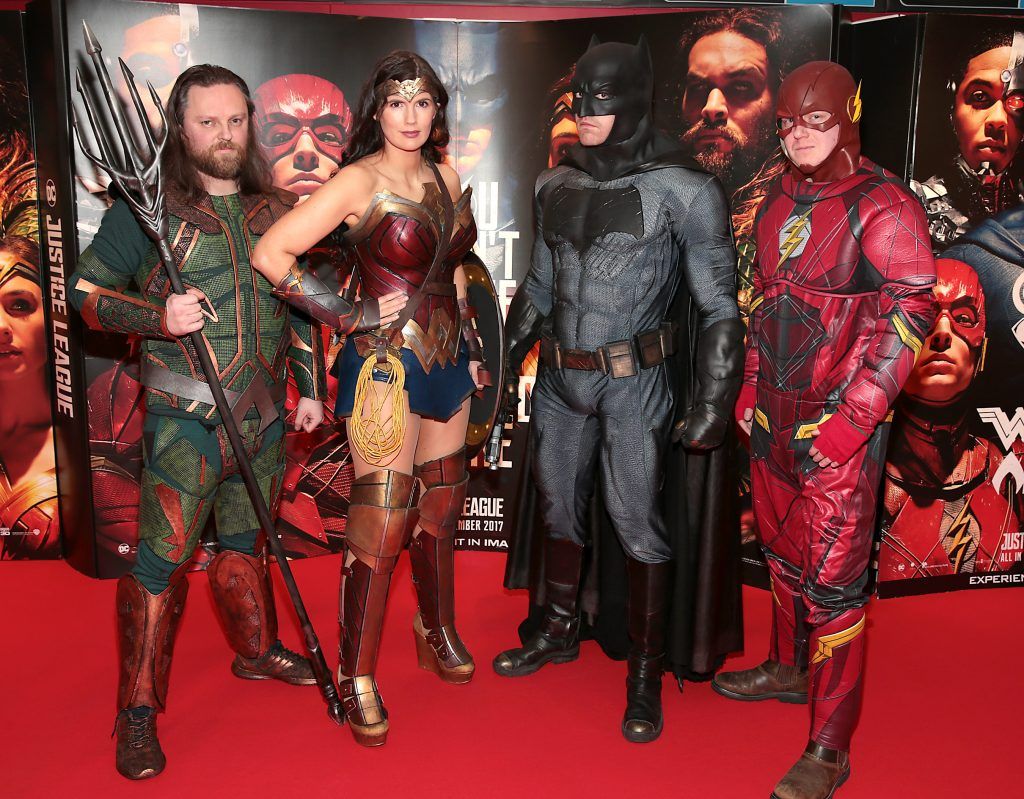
[(483, 297)]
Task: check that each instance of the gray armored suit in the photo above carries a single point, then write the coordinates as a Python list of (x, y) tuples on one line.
[(608, 260)]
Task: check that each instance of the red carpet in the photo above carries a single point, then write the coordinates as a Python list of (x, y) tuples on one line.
[(941, 717)]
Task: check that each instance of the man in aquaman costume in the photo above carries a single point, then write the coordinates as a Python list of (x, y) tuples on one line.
[(219, 202)]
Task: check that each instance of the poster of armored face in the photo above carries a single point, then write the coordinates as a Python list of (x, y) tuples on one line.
[(953, 505), (510, 117), (970, 122), (29, 526)]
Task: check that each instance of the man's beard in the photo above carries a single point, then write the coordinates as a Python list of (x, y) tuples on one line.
[(736, 167), (217, 162)]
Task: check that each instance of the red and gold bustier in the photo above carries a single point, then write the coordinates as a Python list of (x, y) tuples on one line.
[(394, 242)]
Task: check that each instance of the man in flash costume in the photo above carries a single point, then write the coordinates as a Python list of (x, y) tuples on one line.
[(842, 302), (189, 469), (624, 223)]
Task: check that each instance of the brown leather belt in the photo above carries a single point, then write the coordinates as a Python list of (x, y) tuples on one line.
[(616, 358), (257, 393)]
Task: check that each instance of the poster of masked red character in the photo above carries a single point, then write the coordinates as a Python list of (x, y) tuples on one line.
[(29, 524), (952, 501), (303, 122)]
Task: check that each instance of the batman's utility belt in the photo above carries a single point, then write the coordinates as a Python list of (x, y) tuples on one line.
[(257, 393), (616, 358)]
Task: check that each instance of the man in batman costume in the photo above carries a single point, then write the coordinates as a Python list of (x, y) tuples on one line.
[(627, 228)]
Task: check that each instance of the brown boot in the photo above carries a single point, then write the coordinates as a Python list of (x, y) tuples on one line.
[(770, 680), (816, 775), (139, 755), (432, 553), (244, 600), (380, 521), (146, 626)]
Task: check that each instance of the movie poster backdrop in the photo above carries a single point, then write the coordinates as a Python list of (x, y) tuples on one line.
[(510, 118), (953, 503), (29, 522)]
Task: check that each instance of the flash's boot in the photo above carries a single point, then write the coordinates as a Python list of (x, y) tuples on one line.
[(146, 627), (836, 665), (818, 774), (380, 520), (244, 599), (778, 677), (769, 680), (432, 553)]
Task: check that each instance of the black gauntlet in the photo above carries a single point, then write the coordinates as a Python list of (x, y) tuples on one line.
[(719, 371)]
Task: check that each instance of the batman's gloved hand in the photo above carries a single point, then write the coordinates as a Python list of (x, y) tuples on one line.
[(523, 324), (719, 370), (510, 401), (702, 428)]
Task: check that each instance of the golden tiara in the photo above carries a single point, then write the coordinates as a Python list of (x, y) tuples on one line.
[(407, 89)]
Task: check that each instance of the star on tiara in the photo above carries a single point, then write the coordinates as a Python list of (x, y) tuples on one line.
[(407, 89)]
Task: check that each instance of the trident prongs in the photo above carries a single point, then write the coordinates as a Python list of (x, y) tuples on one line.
[(105, 160), (152, 137), (135, 174), (113, 106)]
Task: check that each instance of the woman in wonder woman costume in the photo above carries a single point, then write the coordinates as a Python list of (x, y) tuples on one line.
[(406, 379)]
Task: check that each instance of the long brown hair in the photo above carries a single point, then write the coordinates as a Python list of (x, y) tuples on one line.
[(176, 164), (397, 65)]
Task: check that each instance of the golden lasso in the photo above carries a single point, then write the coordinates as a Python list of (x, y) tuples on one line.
[(377, 440)]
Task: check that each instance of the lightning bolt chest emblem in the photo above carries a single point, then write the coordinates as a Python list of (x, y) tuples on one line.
[(793, 237), (961, 541)]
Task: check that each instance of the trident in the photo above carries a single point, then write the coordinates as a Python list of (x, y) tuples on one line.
[(137, 177)]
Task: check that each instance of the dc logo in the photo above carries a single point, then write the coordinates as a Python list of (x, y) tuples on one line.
[(51, 193), (123, 549)]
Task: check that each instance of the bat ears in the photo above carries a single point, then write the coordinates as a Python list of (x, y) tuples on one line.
[(644, 51)]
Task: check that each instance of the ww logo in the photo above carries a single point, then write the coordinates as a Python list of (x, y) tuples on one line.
[(1009, 431)]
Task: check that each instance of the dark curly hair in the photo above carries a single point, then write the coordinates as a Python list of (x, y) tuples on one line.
[(398, 65)]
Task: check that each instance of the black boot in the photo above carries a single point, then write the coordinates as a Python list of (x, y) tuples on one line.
[(648, 598), (558, 638)]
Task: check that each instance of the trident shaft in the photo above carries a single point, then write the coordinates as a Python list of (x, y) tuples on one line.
[(137, 176)]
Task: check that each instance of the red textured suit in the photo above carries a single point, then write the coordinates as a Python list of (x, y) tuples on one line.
[(842, 301)]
